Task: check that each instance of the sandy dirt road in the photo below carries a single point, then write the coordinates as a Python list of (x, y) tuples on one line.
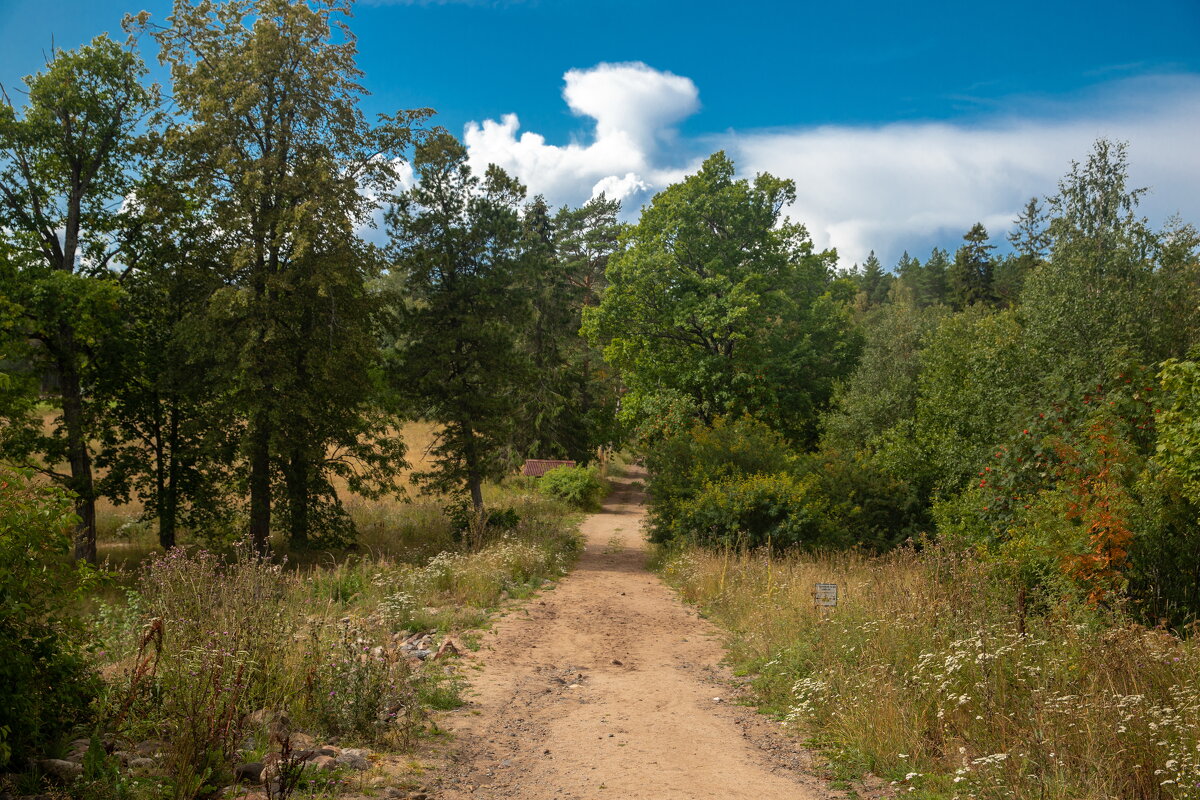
[(605, 687)]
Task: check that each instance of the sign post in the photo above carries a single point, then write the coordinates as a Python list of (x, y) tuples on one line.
[(825, 596)]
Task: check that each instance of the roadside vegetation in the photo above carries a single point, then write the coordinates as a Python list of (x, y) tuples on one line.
[(925, 676), (184, 671)]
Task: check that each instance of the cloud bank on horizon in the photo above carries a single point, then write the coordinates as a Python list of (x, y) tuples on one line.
[(859, 188)]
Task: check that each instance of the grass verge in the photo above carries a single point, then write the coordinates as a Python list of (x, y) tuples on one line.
[(923, 676)]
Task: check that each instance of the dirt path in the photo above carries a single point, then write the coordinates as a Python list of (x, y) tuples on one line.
[(605, 687)]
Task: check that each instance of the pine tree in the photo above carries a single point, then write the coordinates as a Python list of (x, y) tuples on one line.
[(970, 276), (457, 247)]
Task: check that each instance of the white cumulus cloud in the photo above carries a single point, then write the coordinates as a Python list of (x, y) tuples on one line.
[(634, 107), (884, 187), (901, 186)]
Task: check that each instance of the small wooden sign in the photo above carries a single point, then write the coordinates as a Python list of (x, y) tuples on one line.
[(825, 594)]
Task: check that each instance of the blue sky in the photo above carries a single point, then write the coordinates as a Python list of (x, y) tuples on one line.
[(901, 123)]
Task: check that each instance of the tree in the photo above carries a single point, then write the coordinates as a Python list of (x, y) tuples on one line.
[(569, 404), (970, 276), (456, 248), (972, 392), (879, 397), (586, 239), (1086, 306), (65, 165), (931, 283), (875, 282), (716, 301), (173, 431), (1030, 240), (271, 133)]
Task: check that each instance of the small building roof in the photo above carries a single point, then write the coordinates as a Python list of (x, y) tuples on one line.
[(537, 467)]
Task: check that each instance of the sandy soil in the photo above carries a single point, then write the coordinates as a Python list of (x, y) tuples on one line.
[(609, 687)]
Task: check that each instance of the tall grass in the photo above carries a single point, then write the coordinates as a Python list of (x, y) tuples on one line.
[(927, 674), (201, 640)]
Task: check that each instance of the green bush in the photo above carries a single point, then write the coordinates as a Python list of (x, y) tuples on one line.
[(578, 486), (779, 510), (46, 684), (682, 465)]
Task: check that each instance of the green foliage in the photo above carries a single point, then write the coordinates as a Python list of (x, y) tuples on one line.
[(569, 403), (714, 297), (970, 277), (1179, 423), (779, 510), (580, 487), (881, 393), (457, 360), (682, 465), (285, 167), (46, 681), (66, 164), (1100, 301), (872, 506), (971, 387)]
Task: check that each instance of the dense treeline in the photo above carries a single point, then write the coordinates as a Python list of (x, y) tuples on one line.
[(1035, 408), (192, 316)]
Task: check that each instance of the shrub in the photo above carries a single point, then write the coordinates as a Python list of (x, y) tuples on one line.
[(779, 510), (46, 684), (578, 486), (682, 465)]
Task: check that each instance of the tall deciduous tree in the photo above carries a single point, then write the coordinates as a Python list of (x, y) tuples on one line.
[(271, 131), (65, 165), (716, 301), (457, 250), (173, 433)]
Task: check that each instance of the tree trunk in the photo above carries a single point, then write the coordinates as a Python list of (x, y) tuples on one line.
[(260, 485), (80, 459), (168, 489), (475, 484), (296, 481)]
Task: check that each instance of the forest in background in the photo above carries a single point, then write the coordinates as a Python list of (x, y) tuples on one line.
[(193, 326)]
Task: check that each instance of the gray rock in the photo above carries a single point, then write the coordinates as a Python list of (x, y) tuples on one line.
[(60, 769), (150, 748), (248, 773), (141, 766), (301, 741), (354, 759), (323, 763), (276, 721)]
